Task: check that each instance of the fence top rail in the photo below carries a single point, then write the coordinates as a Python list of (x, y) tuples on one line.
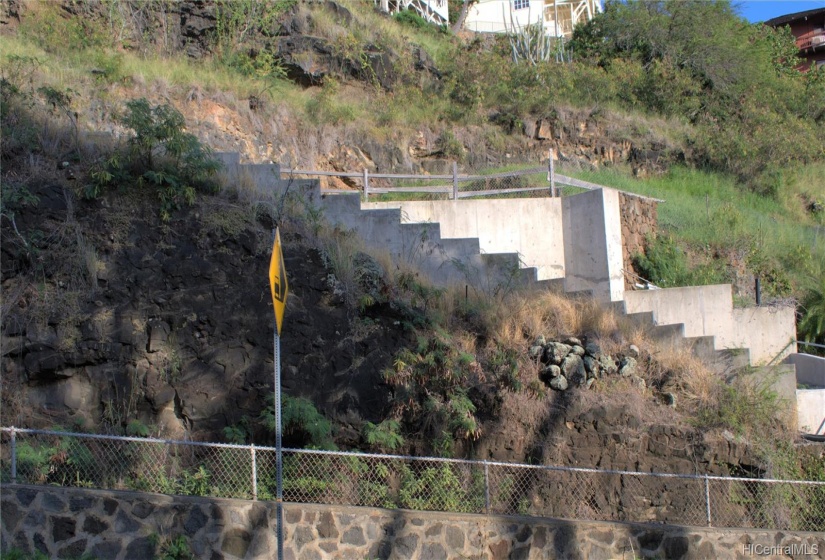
[(353, 174), (573, 182), (380, 456), (560, 179)]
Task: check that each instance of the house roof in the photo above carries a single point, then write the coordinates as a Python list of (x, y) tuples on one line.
[(782, 20)]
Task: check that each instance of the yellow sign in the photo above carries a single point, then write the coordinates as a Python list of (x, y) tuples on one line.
[(277, 281)]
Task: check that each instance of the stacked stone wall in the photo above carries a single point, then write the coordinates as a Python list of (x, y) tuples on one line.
[(71, 522), (639, 218)]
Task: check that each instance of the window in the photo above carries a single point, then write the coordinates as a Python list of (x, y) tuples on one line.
[(521, 4)]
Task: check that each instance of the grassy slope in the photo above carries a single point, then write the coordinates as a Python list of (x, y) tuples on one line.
[(710, 214)]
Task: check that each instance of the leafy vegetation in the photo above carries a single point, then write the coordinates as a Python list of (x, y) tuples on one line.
[(161, 155), (301, 421), (666, 265)]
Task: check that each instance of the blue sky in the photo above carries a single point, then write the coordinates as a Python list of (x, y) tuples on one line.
[(762, 10)]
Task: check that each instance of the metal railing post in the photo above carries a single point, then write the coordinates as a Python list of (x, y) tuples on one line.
[(455, 181), (13, 455), (551, 171), (366, 185), (486, 488), (254, 472), (707, 499)]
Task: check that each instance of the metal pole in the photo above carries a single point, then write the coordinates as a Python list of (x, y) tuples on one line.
[(279, 499), (254, 472), (366, 185), (486, 488), (551, 172), (707, 499), (13, 456), (455, 181), (758, 290)]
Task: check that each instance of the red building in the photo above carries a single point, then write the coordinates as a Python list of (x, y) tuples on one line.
[(809, 29)]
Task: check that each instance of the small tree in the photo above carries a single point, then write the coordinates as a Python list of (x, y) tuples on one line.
[(160, 154)]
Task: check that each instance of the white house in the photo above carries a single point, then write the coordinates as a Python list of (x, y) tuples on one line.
[(502, 16), (434, 11), (558, 16)]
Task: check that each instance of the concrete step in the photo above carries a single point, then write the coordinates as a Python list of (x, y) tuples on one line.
[(668, 334), (730, 360)]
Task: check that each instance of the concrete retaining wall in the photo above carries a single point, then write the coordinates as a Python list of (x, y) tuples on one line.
[(593, 244), (810, 392), (704, 310), (70, 522), (530, 226), (810, 370), (769, 332), (444, 261)]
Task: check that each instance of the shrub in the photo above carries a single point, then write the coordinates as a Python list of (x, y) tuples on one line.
[(665, 264), (411, 19), (429, 389), (161, 155), (384, 435), (301, 420)]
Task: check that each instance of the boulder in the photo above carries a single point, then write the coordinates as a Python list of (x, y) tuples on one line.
[(627, 367), (559, 383), (556, 352), (550, 372), (608, 365), (591, 366)]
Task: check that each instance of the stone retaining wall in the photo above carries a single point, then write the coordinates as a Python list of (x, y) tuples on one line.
[(639, 221), (70, 522)]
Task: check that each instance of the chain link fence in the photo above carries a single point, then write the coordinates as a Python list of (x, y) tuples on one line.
[(391, 481)]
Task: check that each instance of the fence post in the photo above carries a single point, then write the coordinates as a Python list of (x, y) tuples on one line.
[(486, 488), (455, 181), (366, 185), (13, 455), (551, 171), (707, 499), (254, 472)]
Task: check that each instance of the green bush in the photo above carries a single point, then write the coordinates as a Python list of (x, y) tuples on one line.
[(301, 420), (384, 435), (665, 264), (174, 163), (411, 19)]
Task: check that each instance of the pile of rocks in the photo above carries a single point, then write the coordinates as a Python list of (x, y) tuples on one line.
[(570, 363)]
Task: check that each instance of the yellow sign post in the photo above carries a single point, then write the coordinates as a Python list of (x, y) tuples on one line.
[(278, 286)]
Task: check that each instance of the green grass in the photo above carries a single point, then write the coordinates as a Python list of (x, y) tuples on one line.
[(709, 211)]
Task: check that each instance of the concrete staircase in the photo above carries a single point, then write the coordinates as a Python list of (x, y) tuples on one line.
[(571, 245), (724, 361), (445, 260)]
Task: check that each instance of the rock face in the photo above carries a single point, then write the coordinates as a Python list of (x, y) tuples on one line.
[(580, 138), (178, 332)]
